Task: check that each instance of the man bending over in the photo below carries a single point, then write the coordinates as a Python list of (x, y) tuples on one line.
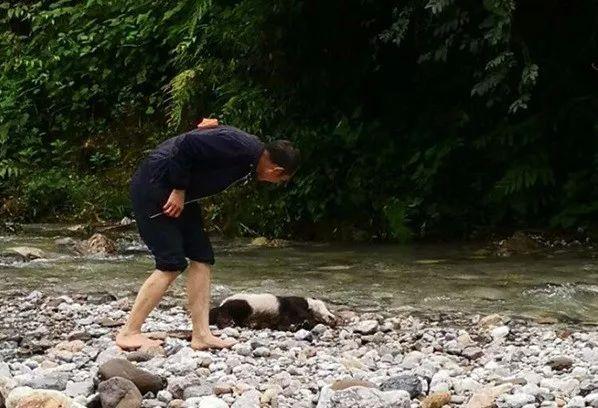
[(165, 191)]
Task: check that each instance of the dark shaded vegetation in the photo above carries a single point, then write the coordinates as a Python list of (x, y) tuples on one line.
[(415, 119)]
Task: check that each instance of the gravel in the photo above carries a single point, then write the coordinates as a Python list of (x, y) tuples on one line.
[(387, 361)]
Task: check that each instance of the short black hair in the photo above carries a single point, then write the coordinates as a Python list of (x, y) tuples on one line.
[(284, 154)]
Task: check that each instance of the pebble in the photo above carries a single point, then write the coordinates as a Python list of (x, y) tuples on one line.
[(592, 399), (576, 402), (436, 400), (249, 399), (514, 400), (499, 332), (366, 327), (208, 402), (560, 362), (303, 335), (261, 352)]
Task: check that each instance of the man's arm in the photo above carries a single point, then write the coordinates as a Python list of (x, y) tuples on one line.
[(176, 201)]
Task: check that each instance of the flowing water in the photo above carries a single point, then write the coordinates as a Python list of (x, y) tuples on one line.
[(386, 278)]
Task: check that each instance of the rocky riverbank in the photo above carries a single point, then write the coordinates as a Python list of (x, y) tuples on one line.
[(65, 345)]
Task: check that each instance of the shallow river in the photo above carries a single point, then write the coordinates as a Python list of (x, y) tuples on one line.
[(387, 278)]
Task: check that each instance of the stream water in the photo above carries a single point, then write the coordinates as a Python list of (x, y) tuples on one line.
[(386, 278)]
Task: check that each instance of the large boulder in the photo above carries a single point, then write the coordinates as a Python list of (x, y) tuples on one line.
[(144, 380), (118, 392), (26, 397)]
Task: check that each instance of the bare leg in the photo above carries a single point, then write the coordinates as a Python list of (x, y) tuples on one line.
[(149, 296), (198, 292)]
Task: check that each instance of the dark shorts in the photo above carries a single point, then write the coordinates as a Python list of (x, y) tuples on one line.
[(170, 240)]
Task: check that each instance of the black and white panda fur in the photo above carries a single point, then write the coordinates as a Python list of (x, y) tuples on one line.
[(264, 310)]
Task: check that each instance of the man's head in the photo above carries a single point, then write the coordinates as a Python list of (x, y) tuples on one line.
[(279, 162)]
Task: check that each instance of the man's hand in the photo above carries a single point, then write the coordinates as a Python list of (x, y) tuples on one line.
[(174, 205), (207, 123)]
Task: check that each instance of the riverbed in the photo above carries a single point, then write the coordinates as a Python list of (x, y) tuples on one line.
[(552, 285)]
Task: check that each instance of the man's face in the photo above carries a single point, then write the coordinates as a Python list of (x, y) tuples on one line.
[(273, 174)]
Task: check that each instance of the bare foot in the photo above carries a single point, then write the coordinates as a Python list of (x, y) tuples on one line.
[(133, 341), (211, 342)]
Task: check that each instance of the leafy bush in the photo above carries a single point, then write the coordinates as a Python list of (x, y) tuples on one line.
[(414, 118)]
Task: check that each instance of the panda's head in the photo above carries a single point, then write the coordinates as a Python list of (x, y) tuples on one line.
[(320, 311)]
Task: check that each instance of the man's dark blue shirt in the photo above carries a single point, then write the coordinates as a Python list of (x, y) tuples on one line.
[(204, 162)]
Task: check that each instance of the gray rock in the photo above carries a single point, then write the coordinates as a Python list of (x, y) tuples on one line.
[(560, 363), (261, 352), (319, 329), (45, 380), (592, 399), (466, 384), (26, 253), (499, 332), (256, 343), (4, 369), (109, 354), (565, 386), (303, 335), (178, 385), (206, 402), (576, 402), (366, 327), (363, 397), (199, 390), (164, 396), (182, 362), (242, 349), (231, 332), (119, 392), (74, 389), (412, 359), (472, 353), (514, 400), (410, 383), (249, 399)]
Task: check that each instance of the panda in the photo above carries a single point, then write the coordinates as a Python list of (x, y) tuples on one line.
[(264, 310)]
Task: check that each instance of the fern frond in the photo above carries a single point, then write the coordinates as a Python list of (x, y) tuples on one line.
[(181, 89)]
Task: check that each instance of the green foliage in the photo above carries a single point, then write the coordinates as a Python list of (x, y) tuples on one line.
[(396, 215), (414, 118)]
